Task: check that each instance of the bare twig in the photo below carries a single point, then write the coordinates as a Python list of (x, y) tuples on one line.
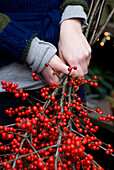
[(91, 8), (97, 22), (60, 134), (91, 18), (22, 142)]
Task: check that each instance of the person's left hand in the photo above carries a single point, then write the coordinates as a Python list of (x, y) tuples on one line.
[(73, 46)]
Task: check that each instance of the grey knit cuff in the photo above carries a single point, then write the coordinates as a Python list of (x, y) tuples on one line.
[(40, 53), (75, 11)]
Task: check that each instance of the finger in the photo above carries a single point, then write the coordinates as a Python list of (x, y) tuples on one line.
[(61, 75), (53, 78), (88, 60), (84, 66), (61, 57), (64, 69), (47, 73), (80, 71), (88, 51), (58, 65)]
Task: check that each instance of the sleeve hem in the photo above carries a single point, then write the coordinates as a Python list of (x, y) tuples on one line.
[(77, 11), (49, 54), (26, 49), (40, 52), (83, 3)]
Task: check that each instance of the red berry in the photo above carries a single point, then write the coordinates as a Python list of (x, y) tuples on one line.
[(107, 152), (19, 161), (69, 163), (51, 159), (34, 108), (54, 73), (46, 64), (74, 67), (70, 69), (36, 78), (95, 77), (33, 74), (91, 83), (109, 146), (85, 81), (17, 95), (3, 82), (15, 85), (89, 80), (52, 97), (41, 109), (96, 84)]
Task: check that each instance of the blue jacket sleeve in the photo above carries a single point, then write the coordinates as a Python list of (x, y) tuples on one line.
[(14, 39)]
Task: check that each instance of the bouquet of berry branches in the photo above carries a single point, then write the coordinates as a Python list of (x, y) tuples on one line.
[(53, 134)]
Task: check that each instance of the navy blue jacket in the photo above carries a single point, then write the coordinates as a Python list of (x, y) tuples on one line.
[(23, 20)]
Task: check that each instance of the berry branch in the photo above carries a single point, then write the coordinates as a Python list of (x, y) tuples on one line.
[(52, 136), (53, 133)]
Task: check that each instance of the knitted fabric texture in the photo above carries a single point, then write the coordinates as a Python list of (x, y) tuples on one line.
[(16, 41), (83, 3), (23, 20)]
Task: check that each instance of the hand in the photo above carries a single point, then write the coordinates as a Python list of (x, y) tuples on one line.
[(60, 67), (73, 46)]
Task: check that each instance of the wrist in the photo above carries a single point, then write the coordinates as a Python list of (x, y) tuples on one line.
[(72, 23)]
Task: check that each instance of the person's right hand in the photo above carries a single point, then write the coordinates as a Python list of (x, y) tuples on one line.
[(57, 64), (73, 47)]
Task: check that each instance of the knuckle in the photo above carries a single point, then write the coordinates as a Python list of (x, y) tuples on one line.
[(86, 72), (82, 59), (83, 56), (88, 62), (89, 52), (86, 54), (89, 48)]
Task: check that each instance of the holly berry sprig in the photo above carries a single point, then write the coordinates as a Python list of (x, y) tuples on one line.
[(50, 135)]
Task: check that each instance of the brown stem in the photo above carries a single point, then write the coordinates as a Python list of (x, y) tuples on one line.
[(53, 70), (33, 148), (90, 8), (69, 101), (91, 18), (22, 142), (97, 22), (23, 156), (60, 134), (36, 99)]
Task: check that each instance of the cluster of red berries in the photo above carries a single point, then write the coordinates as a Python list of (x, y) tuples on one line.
[(52, 136), (107, 118), (7, 133), (35, 77), (12, 88), (9, 87)]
